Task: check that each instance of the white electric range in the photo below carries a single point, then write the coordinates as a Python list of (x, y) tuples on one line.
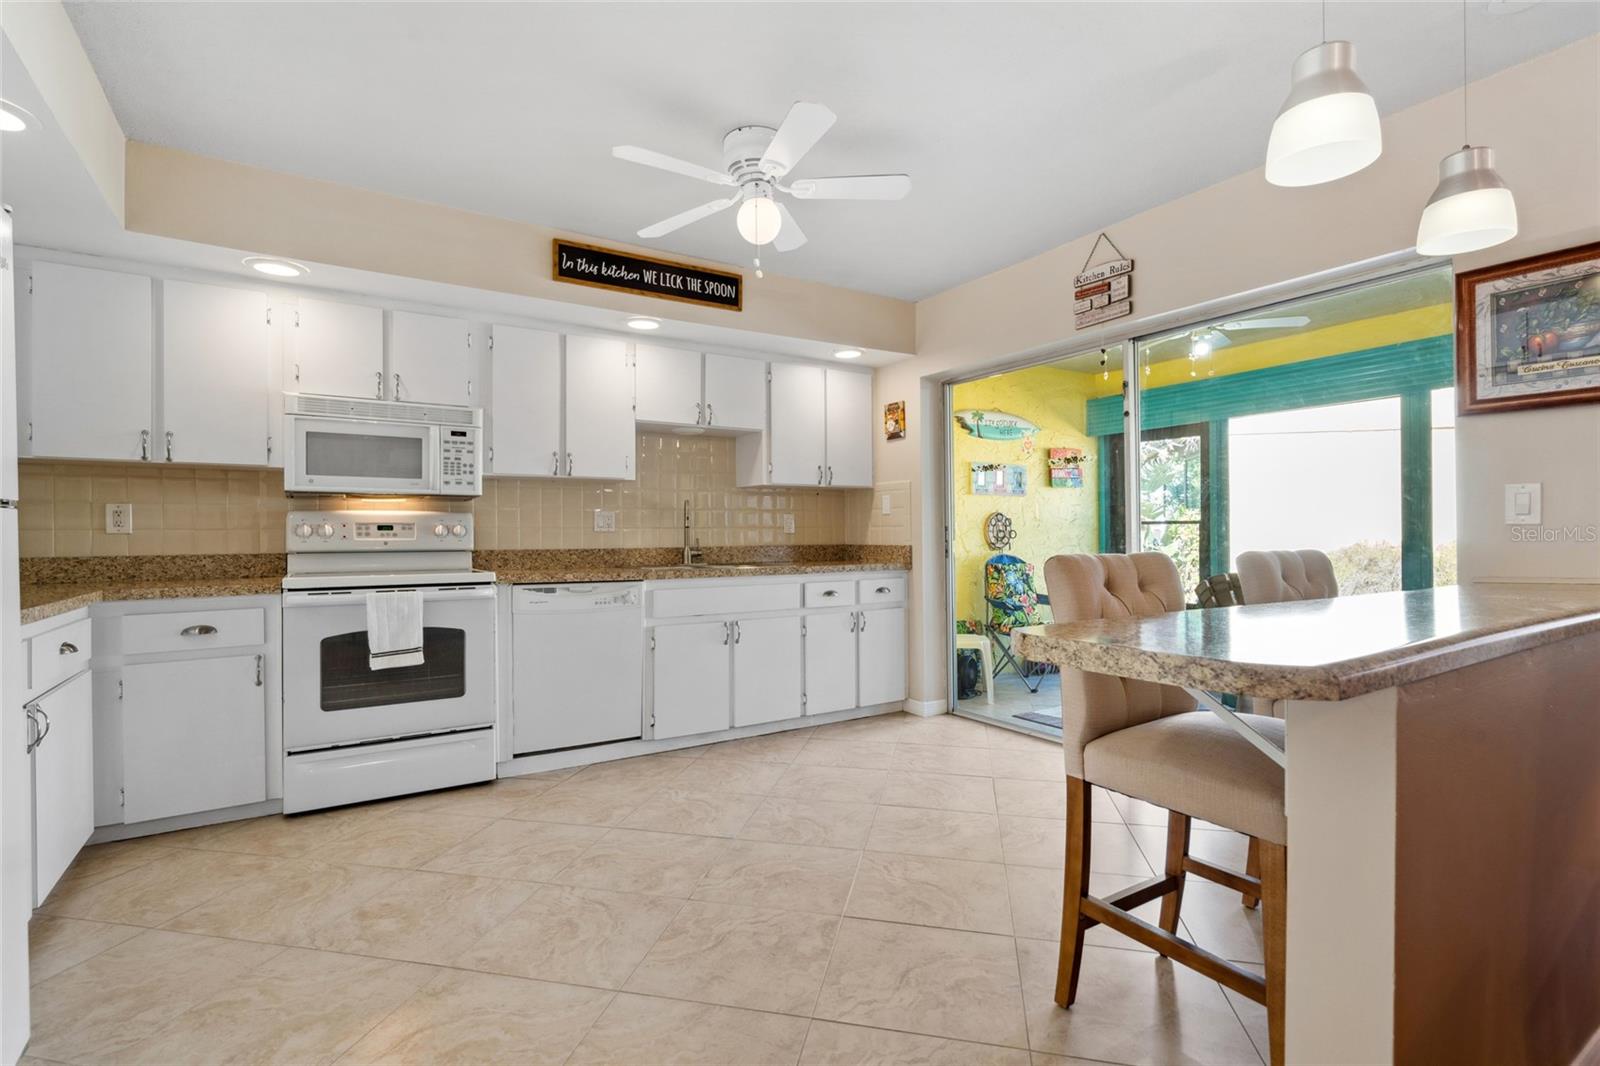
[(354, 733)]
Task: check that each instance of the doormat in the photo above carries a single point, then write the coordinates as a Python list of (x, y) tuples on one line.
[(1040, 718)]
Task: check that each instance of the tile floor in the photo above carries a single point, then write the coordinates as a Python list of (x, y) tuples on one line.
[(1011, 697), (884, 890)]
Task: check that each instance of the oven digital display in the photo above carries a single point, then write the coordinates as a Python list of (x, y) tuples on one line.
[(386, 531)]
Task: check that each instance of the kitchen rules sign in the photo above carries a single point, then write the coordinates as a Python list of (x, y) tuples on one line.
[(584, 264), (1103, 292)]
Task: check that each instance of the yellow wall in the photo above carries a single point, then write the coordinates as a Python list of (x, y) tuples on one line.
[(1048, 521)]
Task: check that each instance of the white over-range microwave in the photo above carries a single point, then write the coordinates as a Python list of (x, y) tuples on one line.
[(338, 445)]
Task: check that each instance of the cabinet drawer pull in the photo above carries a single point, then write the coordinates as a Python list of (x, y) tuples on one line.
[(883, 590), (201, 630), (711, 414), (830, 592), (67, 648)]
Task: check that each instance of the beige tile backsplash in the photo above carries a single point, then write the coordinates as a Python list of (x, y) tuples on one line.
[(183, 510)]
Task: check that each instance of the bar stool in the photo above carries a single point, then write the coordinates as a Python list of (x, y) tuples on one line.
[(1276, 576), (1146, 740)]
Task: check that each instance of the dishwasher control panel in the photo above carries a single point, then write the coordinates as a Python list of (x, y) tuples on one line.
[(598, 596)]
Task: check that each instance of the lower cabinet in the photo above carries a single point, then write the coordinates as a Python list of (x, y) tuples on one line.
[(767, 681), (62, 736), (881, 638), (193, 736), (830, 661), (689, 678)]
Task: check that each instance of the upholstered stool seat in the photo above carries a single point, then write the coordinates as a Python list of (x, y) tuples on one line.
[(1195, 763)]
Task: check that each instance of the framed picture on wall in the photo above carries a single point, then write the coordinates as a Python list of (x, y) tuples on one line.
[(1528, 332)]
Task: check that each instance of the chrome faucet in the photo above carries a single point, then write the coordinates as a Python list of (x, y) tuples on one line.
[(691, 554)]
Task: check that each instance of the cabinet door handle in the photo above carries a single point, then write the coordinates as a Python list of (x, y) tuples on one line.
[(855, 620), (33, 728), (144, 445), (169, 445), (727, 633), (711, 413), (863, 628), (569, 464), (380, 384), (555, 463), (201, 630), (830, 475), (37, 712), (67, 648), (736, 633), (819, 473), (258, 671), (699, 413), (883, 590), (397, 385)]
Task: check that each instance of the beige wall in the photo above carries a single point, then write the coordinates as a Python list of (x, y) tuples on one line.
[(1243, 234), (184, 510)]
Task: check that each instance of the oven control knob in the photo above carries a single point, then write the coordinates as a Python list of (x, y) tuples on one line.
[(325, 531), (303, 530), (441, 530), (459, 530)]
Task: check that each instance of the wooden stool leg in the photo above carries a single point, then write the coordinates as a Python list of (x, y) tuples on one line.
[(1252, 867), (1074, 888), (1177, 851), (1274, 927)]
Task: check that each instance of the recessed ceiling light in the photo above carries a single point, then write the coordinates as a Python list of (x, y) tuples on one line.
[(276, 268), (14, 119), (644, 322), (847, 353)]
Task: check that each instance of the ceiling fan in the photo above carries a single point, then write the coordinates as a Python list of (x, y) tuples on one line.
[(1205, 341), (754, 160)]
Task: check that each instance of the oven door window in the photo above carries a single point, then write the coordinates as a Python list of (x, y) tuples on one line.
[(350, 683)]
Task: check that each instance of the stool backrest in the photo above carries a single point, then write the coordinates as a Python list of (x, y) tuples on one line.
[(1084, 587), (1276, 576)]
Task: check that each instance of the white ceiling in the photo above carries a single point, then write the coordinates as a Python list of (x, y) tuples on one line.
[(1022, 125)]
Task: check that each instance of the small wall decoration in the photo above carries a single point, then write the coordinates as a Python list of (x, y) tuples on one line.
[(994, 425), (1528, 332), (1104, 292), (999, 479), (894, 420), (998, 531), (584, 264), (1066, 468)]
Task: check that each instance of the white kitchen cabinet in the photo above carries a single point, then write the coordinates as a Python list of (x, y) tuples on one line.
[(599, 409), (882, 645), (850, 425), (525, 406), (193, 736), (690, 684), (215, 356), (63, 779), (335, 349), (830, 653), (86, 364), (667, 385), (797, 445), (768, 685), (430, 359), (735, 392)]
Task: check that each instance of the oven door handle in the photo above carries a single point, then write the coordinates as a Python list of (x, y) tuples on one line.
[(358, 597)]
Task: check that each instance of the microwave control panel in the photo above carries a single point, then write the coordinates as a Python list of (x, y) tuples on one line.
[(458, 462)]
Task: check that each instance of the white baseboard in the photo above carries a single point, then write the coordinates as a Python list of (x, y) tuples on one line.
[(927, 708)]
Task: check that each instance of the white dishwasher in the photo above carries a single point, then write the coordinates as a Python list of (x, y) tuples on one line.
[(578, 667)]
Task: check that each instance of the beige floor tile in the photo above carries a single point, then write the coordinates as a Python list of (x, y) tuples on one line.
[(1253, 1015), (731, 775), (795, 820), (773, 747), (276, 834), (300, 1006), (739, 957), (946, 729), (1218, 921), (862, 754), (421, 917), (945, 834), (1025, 765), (948, 792), (403, 841), (938, 759), (703, 813), (158, 891), (1040, 841), (462, 1017), (878, 727), (844, 784), (1220, 847), (654, 770), (832, 1044), (938, 982), (55, 944), (1036, 906), (577, 802), (280, 905), (1138, 812), (637, 860), (580, 936), (100, 861), (1034, 799), (1131, 1008), (520, 851), (1001, 737), (645, 1029), (785, 876), (948, 893), (491, 799), (1039, 1058), (97, 1010)]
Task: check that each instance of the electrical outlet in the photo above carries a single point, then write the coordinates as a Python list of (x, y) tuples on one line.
[(605, 521), (788, 523), (119, 518)]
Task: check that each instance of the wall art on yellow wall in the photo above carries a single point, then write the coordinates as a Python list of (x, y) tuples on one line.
[(1066, 468), (999, 479), (894, 420)]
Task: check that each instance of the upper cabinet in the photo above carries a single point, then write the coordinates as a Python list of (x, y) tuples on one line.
[(797, 446), (431, 359), (849, 404), (335, 349), (677, 387), (736, 393), (215, 351), (525, 402), (599, 409), (85, 366), (819, 430)]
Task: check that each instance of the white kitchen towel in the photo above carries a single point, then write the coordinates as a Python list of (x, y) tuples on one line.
[(394, 628)]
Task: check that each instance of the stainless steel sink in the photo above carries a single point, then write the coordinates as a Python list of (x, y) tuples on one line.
[(703, 566)]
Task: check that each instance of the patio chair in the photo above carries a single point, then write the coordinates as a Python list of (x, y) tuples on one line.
[(1013, 601)]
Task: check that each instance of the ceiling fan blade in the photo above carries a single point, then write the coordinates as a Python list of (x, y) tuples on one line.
[(635, 154), (1285, 322), (802, 127), (857, 187), (683, 218), (790, 235)]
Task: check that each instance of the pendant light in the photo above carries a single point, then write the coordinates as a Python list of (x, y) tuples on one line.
[(1471, 209), (1328, 127)]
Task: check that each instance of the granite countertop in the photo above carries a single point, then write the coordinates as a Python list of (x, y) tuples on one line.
[(46, 600), (1323, 649), (555, 575)]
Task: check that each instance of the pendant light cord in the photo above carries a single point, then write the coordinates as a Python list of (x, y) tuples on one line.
[(1324, 21), (1465, 126)]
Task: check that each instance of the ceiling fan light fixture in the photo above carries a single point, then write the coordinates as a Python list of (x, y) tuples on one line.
[(1328, 127), (759, 219), (14, 118), (1471, 209)]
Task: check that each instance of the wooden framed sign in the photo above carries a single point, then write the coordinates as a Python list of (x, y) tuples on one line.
[(1103, 292), (584, 264)]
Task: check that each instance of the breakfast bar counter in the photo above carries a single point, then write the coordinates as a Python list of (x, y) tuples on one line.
[(1442, 786)]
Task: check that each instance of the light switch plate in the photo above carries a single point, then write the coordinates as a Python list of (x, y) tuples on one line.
[(1523, 504), (605, 521), (887, 508), (119, 518)]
